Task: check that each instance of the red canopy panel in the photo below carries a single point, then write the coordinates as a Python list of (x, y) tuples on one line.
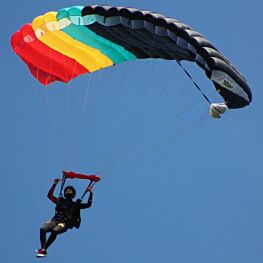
[(45, 64)]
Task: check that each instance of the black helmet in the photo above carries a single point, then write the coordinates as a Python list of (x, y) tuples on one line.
[(69, 192)]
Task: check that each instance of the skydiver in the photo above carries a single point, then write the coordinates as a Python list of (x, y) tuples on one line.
[(67, 215)]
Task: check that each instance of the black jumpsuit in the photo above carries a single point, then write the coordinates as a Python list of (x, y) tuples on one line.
[(67, 216)]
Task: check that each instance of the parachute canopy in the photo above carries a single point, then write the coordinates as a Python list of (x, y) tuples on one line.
[(58, 46)]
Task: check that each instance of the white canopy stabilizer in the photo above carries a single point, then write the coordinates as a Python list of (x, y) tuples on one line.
[(216, 109)]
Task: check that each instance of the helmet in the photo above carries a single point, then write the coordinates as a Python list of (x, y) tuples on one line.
[(69, 192)]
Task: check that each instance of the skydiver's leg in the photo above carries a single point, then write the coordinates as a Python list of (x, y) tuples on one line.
[(58, 229), (47, 227), (51, 239)]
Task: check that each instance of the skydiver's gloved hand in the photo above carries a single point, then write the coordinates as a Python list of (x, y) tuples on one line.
[(56, 181), (89, 189)]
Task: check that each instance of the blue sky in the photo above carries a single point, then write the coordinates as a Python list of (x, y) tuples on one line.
[(177, 185)]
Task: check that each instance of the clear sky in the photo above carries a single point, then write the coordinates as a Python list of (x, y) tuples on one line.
[(177, 185)]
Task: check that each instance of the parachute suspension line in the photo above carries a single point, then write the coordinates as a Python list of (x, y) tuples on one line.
[(50, 115), (196, 85), (51, 118), (108, 147), (84, 107), (157, 103), (66, 148), (139, 103), (116, 143), (117, 158), (64, 178), (118, 162), (87, 94), (91, 184), (174, 136), (66, 142), (182, 112), (68, 174), (54, 131), (172, 99), (146, 115)]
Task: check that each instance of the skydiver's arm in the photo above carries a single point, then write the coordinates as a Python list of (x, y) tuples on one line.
[(50, 194), (89, 203)]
